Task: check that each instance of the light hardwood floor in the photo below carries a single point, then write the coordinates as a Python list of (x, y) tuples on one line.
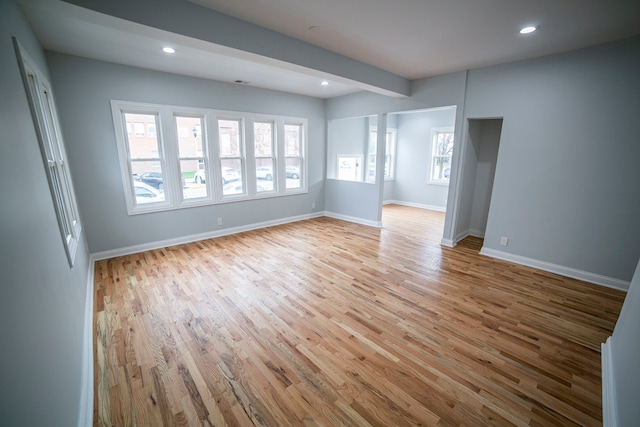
[(324, 322)]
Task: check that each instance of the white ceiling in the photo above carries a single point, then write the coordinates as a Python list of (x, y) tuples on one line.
[(410, 38), (421, 38)]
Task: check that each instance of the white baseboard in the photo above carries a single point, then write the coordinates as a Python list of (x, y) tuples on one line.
[(416, 205), (461, 236), (85, 417), (448, 243), (201, 236), (609, 410), (586, 276), (362, 221), (476, 233)]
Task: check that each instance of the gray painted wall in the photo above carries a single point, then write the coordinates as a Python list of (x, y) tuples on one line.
[(486, 152), (346, 136), (555, 195), (566, 187), (625, 348), (467, 172), (42, 299), (85, 87), (432, 92), (355, 199), (413, 154), (358, 200)]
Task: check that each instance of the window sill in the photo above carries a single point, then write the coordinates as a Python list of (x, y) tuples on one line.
[(225, 200)]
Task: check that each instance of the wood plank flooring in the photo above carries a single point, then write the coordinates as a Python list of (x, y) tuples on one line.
[(324, 322)]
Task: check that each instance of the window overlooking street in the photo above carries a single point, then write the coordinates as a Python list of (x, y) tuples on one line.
[(231, 155), (170, 161), (264, 154), (293, 155), (192, 155)]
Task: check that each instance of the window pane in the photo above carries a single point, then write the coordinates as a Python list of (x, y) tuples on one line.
[(229, 138), (67, 190), (190, 137), (232, 176), (293, 172), (441, 168), (264, 175), (442, 151), (146, 194), (387, 163), (194, 180), (371, 158), (141, 146), (263, 139), (444, 144), (149, 173), (292, 140), (51, 127), (349, 168), (55, 180)]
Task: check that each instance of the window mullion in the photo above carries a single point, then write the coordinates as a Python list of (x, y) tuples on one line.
[(280, 159), (213, 166), (169, 158), (250, 157)]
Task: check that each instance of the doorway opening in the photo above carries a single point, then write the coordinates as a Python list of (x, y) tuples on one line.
[(477, 172)]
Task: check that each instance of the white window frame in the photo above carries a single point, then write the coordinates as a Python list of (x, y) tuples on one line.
[(282, 165), (242, 157), (119, 110), (391, 144), (432, 155), (202, 159), (359, 169), (274, 153), (47, 125), (389, 153), (167, 133)]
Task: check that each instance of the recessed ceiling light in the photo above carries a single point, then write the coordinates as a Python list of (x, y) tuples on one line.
[(325, 83), (528, 30), (168, 50)]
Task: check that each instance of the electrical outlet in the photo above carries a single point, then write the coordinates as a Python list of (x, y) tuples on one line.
[(219, 221), (313, 205), (504, 241)]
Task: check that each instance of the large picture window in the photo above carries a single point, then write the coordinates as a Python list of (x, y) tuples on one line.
[(54, 156), (169, 160)]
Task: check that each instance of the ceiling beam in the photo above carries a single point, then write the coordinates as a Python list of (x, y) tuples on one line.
[(191, 20)]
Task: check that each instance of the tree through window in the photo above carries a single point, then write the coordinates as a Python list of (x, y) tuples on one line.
[(441, 152)]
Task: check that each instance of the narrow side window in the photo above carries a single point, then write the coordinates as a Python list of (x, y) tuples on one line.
[(45, 118)]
